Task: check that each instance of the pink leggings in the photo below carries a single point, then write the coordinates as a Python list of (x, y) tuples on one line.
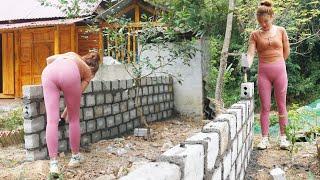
[(62, 75), (272, 74)]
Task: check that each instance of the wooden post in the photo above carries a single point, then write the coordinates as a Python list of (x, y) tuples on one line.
[(73, 38), (136, 14), (56, 40), (128, 48)]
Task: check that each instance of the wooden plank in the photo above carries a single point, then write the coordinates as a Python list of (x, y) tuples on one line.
[(129, 48), (56, 41), (8, 63), (134, 48), (101, 48), (18, 88), (137, 14), (125, 10), (4, 96), (73, 38)]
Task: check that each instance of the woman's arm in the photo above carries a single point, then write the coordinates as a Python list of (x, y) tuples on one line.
[(251, 49), (286, 45)]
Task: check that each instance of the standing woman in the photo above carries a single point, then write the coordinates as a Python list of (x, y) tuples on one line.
[(272, 46), (70, 74)]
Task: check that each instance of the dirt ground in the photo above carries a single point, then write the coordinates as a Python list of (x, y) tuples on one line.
[(108, 158), (303, 166)]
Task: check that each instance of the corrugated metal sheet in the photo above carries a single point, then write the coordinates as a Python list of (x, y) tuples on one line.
[(39, 23), (32, 9)]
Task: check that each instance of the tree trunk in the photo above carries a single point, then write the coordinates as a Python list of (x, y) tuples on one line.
[(223, 59)]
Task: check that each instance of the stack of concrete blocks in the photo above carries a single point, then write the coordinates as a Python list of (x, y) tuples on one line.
[(221, 151), (108, 109)]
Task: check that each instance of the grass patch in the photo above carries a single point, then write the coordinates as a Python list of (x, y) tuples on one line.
[(13, 120)]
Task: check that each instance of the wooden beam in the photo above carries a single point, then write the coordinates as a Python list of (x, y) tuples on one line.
[(56, 40), (129, 47), (125, 10), (8, 63), (17, 79), (101, 47), (73, 37), (4, 96), (151, 10), (137, 13)]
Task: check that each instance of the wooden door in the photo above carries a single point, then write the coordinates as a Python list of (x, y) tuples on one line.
[(8, 63)]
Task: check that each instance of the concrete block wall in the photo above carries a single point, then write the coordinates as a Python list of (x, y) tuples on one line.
[(108, 110), (220, 151)]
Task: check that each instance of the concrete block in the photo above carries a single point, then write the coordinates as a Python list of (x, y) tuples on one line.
[(162, 106), (247, 90), (83, 127), (217, 173), (31, 141), (161, 88), (130, 104), (145, 110), (110, 121), (239, 139), (123, 106), (115, 85), (155, 89), (154, 80), (85, 140), (30, 110), (144, 100), (81, 114), (243, 112), (82, 101), (139, 91), (157, 108), (160, 116), (43, 138), (105, 134), (122, 128), (155, 99), (190, 159), (91, 126), (101, 123), (98, 111), (96, 136), (88, 113), (97, 86), (145, 91), (150, 99), (150, 89), (142, 132), (232, 122), (89, 88), (232, 175), (106, 85), (42, 108), (167, 97), (32, 91), (117, 97), (114, 132), (151, 109), (107, 110), (167, 105), (129, 125), (165, 114), (115, 108), (238, 167), (210, 142), (109, 98), (136, 123), (126, 116), (155, 171), (160, 96), (37, 154), (226, 161), (118, 119), (234, 150), (90, 100), (123, 84), (63, 146), (34, 125), (166, 88), (223, 130), (132, 93), (170, 88), (237, 113), (100, 99), (133, 113), (149, 81), (143, 81)]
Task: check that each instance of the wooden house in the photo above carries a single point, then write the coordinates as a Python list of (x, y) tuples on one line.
[(30, 32)]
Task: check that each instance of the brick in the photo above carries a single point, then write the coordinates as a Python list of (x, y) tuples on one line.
[(210, 142), (129, 83), (115, 85), (223, 130), (125, 95), (190, 158), (90, 100), (123, 106), (88, 88), (133, 113), (85, 140), (96, 137), (98, 111), (97, 86), (126, 116), (232, 122), (38, 154), (118, 119), (117, 97), (217, 173), (107, 110), (106, 85), (110, 121), (30, 110), (226, 165), (34, 125), (100, 99), (63, 146), (31, 141), (91, 126), (122, 128), (123, 84), (109, 98), (32, 91), (105, 134), (155, 171), (115, 108), (88, 113), (101, 123)]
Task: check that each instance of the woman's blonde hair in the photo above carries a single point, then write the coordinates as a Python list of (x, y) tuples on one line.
[(265, 8), (92, 59)]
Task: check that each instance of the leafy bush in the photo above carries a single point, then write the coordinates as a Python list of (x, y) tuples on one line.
[(12, 121)]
